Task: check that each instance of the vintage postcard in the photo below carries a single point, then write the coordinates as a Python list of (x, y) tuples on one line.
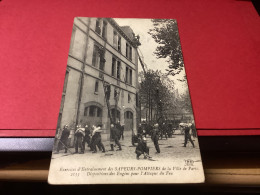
[(125, 114)]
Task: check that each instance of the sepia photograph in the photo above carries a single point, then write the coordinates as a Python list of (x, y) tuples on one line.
[(126, 114)]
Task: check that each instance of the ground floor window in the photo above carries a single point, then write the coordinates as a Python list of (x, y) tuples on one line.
[(115, 114), (93, 111)]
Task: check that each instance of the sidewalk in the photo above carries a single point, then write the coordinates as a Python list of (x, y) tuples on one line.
[(170, 148)]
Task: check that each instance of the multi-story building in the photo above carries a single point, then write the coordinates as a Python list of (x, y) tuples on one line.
[(100, 52)]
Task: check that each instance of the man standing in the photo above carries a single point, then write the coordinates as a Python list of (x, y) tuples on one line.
[(187, 136), (155, 137), (114, 136), (79, 139), (63, 141), (164, 130)]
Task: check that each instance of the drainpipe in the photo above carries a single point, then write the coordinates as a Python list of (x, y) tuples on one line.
[(82, 73)]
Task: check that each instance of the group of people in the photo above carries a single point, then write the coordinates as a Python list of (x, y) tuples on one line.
[(142, 147), (91, 136)]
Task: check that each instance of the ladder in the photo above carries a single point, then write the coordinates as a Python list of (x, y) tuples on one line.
[(107, 96)]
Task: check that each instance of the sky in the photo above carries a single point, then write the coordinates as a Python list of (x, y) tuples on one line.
[(148, 46)]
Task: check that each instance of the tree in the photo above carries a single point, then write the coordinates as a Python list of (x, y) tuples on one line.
[(165, 33), (156, 94)]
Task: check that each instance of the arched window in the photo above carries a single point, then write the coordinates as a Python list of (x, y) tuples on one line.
[(116, 113), (128, 115), (93, 111)]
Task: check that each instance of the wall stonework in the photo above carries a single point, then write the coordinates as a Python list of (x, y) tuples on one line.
[(84, 38)]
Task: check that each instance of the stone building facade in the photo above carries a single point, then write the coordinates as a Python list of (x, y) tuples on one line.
[(100, 52)]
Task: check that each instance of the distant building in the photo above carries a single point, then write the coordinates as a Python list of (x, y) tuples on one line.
[(100, 50)]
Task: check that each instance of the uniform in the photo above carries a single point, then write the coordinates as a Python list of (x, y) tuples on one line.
[(164, 130), (155, 139), (140, 130), (114, 137), (122, 131), (141, 148), (96, 141), (187, 136), (79, 140), (64, 139), (87, 136)]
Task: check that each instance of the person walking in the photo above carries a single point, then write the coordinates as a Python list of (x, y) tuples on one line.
[(155, 137), (114, 137), (188, 136), (97, 141)]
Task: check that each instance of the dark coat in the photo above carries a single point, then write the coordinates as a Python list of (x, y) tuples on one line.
[(141, 147), (115, 133), (65, 134), (155, 135)]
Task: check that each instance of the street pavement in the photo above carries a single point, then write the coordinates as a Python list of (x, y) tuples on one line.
[(171, 148)]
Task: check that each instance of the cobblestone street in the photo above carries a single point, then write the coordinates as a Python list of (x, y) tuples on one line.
[(172, 148)]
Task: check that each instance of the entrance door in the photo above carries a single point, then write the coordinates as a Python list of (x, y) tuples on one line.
[(129, 120)]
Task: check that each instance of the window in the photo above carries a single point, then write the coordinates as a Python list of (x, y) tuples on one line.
[(98, 28), (96, 87), (65, 81), (119, 44), (99, 112), (131, 79), (115, 39), (116, 113), (92, 111), (130, 53), (129, 98), (104, 30), (126, 74), (118, 69), (128, 115), (126, 52), (102, 62), (62, 103), (113, 66), (86, 111), (95, 56), (98, 57), (115, 93)]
